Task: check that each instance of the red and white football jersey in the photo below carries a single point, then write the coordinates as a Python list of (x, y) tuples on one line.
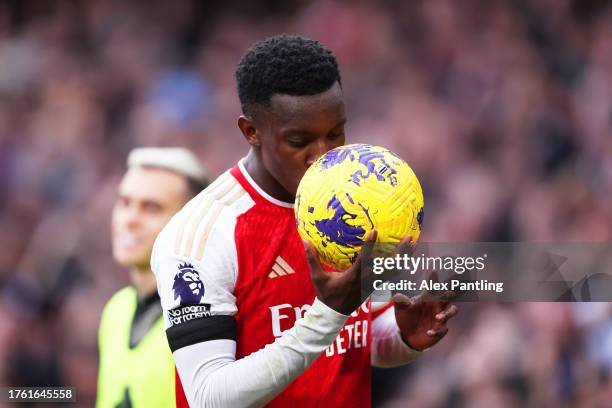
[(231, 266)]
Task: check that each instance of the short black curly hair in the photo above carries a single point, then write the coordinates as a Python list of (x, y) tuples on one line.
[(284, 64)]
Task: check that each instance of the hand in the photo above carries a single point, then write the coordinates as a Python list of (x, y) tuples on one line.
[(422, 319), (340, 291)]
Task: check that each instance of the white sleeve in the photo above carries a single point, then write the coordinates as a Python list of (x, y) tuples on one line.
[(199, 307), (212, 377), (388, 348)]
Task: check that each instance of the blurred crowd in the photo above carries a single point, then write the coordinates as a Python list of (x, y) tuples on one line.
[(502, 108)]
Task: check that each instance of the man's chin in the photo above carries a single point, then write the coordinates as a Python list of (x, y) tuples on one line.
[(132, 262), (291, 189), (292, 186)]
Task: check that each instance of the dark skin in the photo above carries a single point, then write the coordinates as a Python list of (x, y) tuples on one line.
[(286, 138)]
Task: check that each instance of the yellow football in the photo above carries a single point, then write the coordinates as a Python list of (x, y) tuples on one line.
[(351, 190)]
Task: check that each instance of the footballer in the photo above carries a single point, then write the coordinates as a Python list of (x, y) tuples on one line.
[(136, 366), (251, 317)]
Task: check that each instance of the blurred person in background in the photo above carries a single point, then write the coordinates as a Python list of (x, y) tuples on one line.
[(136, 368)]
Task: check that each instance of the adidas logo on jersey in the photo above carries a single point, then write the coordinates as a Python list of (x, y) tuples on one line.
[(280, 268)]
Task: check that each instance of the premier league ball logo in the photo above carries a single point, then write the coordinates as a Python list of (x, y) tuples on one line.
[(187, 285)]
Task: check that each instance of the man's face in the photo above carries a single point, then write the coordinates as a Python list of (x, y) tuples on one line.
[(297, 130), (148, 198)]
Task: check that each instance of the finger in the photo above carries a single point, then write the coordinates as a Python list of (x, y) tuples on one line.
[(443, 298), (437, 332), (368, 245), (402, 302), (448, 295), (427, 295), (444, 316), (316, 270), (366, 253), (366, 248), (405, 246)]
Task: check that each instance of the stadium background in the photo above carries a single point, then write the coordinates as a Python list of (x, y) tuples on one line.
[(503, 109)]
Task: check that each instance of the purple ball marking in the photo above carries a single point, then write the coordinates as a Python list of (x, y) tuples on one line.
[(367, 213), (420, 217), (298, 199), (335, 157), (366, 158), (337, 230)]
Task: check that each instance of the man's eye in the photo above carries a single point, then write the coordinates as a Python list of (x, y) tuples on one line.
[(335, 135), (152, 207), (297, 142)]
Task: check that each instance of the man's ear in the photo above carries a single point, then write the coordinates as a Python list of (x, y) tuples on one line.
[(249, 131)]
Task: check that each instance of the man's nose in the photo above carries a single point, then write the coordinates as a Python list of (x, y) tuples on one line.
[(131, 216), (319, 148)]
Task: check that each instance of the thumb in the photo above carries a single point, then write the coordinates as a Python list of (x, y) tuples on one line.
[(317, 272), (401, 301)]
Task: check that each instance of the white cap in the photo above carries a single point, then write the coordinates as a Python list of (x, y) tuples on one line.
[(177, 159)]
